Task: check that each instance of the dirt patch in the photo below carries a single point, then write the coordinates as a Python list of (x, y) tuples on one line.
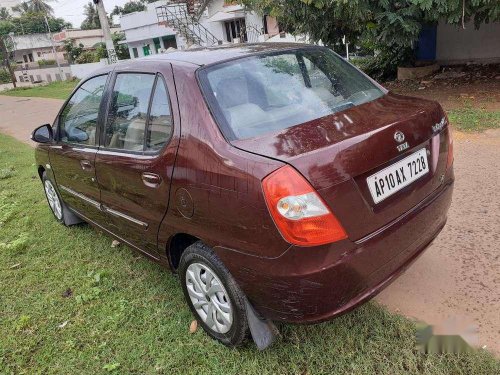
[(459, 274), (454, 87)]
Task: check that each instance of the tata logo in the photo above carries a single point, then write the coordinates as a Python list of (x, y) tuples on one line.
[(399, 137), (439, 126)]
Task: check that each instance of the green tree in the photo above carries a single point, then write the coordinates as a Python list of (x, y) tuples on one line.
[(121, 49), (34, 23), (4, 14), (91, 20), (390, 27), (130, 7), (34, 6), (73, 51)]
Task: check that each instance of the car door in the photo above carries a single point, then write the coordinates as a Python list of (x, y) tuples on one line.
[(136, 156), (72, 156)]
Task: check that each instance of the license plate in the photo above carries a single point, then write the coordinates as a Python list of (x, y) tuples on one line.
[(395, 177)]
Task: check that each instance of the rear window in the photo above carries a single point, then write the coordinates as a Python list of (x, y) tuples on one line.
[(255, 95)]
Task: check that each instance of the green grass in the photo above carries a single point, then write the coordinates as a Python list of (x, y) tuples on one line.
[(72, 304), (470, 119), (55, 90)]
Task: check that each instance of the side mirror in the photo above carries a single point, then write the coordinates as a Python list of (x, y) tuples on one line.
[(77, 135), (42, 134)]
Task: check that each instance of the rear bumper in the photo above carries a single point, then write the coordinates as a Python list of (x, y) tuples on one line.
[(308, 285)]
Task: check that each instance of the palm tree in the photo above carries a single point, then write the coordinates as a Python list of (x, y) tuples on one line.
[(34, 6)]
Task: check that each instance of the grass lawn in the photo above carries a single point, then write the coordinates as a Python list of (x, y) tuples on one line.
[(470, 119), (55, 90), (72, 304)]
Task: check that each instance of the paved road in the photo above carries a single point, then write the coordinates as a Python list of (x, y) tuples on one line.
[(457, 277)]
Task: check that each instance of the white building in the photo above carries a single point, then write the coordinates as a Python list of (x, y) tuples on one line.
[(33, 50), (144, 36), (231, 23), (148, 32)]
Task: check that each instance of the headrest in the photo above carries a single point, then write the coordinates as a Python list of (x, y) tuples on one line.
[(231, 92)]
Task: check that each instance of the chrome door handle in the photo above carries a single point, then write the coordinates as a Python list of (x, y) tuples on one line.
[(86, 165), (151, 179)]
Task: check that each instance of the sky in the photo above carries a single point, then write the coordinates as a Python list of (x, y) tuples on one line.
[(72, 10)]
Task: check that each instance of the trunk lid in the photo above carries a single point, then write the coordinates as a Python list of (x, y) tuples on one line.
[(338, 152)]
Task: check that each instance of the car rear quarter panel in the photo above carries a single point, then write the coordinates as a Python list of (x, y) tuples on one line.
[(216, 192)]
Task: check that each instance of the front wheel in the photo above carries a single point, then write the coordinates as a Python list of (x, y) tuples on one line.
[(213, 296), (53, 199)]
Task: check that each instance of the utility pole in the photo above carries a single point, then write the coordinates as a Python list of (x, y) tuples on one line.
[(103, 19), (5, 54), (61, 73), (344, 40)]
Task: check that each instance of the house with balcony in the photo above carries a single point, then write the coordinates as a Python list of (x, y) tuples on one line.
[(35, 60), (209, 22), (184, 23), (144, 36), (32, 49)]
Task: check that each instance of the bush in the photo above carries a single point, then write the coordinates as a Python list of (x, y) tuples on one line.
[(87, 57), (4, 76), (46, 62)]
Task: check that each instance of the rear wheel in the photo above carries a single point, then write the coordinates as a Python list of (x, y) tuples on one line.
[(213, 296)]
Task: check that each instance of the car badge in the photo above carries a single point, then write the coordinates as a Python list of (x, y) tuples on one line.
[(399, 137), (439, 126)]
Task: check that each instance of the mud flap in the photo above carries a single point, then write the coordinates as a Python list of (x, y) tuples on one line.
[(70, 218), (263, 331)]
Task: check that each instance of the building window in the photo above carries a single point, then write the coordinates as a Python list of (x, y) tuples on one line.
[(135, 53), (39, 54), (146, 50), (169, 41), (235, 29), (157, 44)]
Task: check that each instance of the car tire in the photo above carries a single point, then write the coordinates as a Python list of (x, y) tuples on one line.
[(57, 206), (213, 295)]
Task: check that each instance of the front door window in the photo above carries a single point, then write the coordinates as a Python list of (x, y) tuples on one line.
[(78, 120)]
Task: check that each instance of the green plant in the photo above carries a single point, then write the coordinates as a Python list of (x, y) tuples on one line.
[(46, 62), (389, 29), (4, 76), (87, 57)]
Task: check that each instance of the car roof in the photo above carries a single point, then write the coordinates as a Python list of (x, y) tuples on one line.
[(212, 55), (203, 56)]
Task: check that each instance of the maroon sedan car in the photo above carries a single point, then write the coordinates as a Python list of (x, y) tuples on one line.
[(277, 180)]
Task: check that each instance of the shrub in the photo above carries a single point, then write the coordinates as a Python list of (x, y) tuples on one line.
[(4, 76), (87, 57), (46, 62)]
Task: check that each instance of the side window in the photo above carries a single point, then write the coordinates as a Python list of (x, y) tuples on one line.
[(127, 116), (160, 119), (78, 120)]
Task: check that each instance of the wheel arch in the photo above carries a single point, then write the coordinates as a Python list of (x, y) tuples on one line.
[(41, 171), (176, 246)]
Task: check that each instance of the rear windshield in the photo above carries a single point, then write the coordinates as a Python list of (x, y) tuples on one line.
[(255, 95)]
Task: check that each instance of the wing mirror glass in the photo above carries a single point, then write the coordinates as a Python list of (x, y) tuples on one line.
[(42, 134)]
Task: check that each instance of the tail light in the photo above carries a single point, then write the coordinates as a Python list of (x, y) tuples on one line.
[(449, 161), (299, 212)]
